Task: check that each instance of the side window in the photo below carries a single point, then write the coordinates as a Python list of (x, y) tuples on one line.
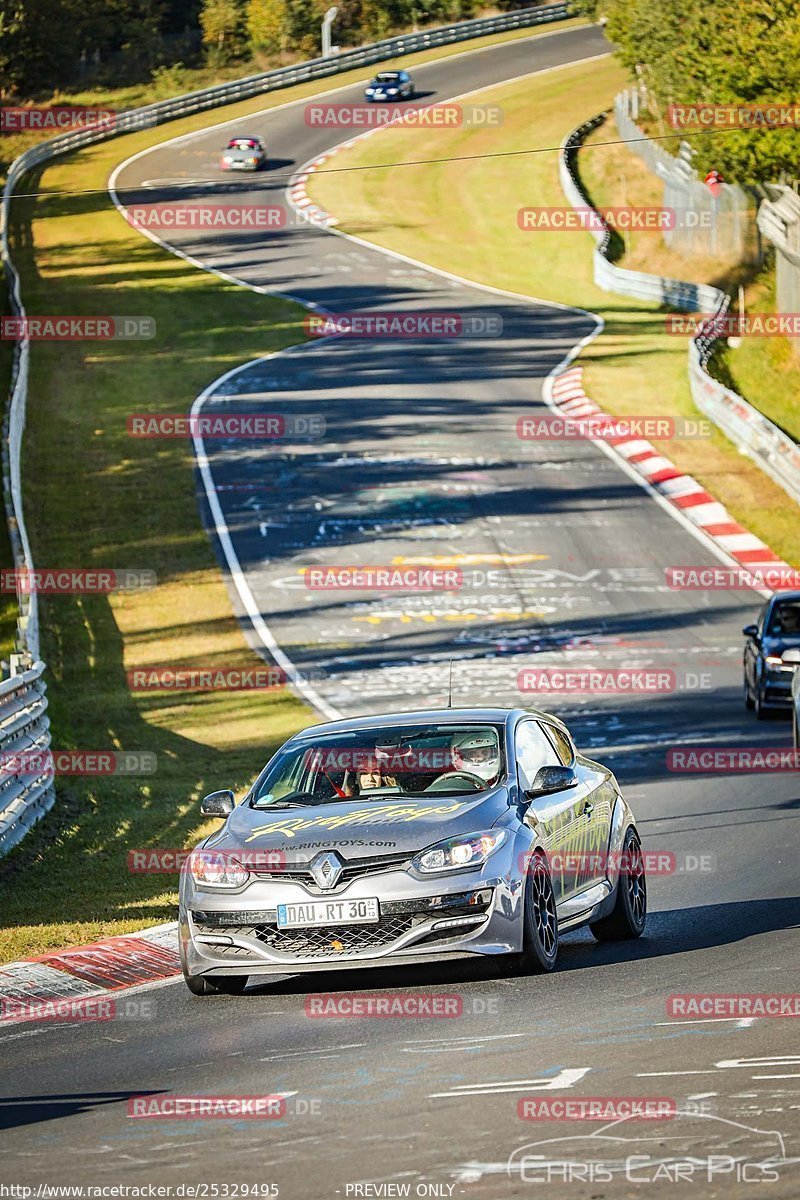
[(564, 747), (532, 750)]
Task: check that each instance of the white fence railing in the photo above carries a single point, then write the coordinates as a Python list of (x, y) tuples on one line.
[(779, 222), (750, 431), (721, 224), (26, 767), (22, 799)]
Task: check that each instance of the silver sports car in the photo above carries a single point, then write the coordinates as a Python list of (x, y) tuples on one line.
[(244, 154), (408, 838)]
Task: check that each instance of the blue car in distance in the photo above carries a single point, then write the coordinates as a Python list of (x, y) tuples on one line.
[(390, 85)]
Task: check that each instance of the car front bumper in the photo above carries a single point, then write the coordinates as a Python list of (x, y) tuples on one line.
[(473, 912)]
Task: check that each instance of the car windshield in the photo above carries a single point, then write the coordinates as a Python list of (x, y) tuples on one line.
[(387, 77), (384, 763), (785, 620), (242, 144)]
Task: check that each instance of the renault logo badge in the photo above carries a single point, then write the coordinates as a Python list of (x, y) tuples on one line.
[(326, 870)]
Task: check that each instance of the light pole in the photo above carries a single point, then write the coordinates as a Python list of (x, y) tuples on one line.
[(329, 18)]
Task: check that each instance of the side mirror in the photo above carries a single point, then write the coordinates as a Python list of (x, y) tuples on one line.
[(552, 779), (218, 804), (791, 656), (750, 631)]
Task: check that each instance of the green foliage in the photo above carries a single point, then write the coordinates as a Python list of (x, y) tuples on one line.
[(223, 24), (266, 25), (733, 52)]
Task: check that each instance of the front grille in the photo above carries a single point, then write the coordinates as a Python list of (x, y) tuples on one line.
[(324, 942), (356, 869), (328, 941)]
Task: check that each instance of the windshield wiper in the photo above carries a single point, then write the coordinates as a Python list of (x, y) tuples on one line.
[(293, 801)]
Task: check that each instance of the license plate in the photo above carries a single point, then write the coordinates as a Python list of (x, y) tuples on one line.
[(328, 912)]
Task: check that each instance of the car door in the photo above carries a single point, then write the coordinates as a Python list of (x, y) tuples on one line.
[(752, 651), (558, 814), (593, 822)]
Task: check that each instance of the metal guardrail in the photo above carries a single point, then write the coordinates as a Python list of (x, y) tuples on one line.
[(749, 430), (688, 297), (22, 799), (26, 767)]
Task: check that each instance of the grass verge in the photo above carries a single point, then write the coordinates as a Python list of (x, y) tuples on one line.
[(462, 216)]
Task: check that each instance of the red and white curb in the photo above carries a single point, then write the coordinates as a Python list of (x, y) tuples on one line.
[(302, 201), (63, 977), (680, 490)]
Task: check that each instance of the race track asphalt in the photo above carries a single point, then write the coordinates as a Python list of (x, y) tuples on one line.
[(421, 462)]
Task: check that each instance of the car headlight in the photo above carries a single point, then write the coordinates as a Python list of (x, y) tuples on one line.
[(226, 158), (217, 869), (454, 854), (252, 161)]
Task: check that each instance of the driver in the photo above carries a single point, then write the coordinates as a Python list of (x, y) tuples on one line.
[(477, 753)]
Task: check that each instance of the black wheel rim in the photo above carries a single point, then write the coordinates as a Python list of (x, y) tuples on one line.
[(636, 884), (544, 909)]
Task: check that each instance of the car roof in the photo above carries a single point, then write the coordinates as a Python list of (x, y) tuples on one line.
[(443, 716), (784, 596)]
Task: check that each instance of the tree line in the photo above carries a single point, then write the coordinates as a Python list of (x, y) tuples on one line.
[(740, 53), (47, 45)]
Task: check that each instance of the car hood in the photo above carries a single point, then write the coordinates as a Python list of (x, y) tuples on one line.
[(240, 155), (359, 828)]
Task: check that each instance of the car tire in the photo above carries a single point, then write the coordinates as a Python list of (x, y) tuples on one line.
[(539, 920), (205, 985), (748, 699), (628, 917), (758, 704)]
